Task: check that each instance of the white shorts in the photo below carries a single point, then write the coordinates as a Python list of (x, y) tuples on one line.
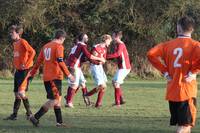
[(98, 74), (79, 77), (120, 75)]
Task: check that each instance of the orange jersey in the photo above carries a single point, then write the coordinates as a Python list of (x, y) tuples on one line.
[(49, 56), (23, 55), (178, 57)]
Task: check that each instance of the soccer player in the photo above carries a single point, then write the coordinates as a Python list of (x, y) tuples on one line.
[(23, 61), (51, 56), (77, 56), (124, 67), (175, 59), (99, 76)]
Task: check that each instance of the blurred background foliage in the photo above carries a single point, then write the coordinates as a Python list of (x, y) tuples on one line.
[(143, 22)]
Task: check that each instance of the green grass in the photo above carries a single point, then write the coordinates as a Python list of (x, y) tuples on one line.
[(146, 111)]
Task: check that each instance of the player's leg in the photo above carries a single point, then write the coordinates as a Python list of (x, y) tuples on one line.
[(97, 77), (24, 97), (117, 81), (57, 89), (53, 96), (17, 101), (101, 89), (185, 115), (43, 110), (82, 83), (72, 87), (101, 80)]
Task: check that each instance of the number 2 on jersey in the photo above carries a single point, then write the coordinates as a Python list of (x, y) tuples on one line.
[(178, 52)]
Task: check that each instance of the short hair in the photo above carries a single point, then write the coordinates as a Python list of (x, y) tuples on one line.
[(60, 33), (118, 33), (80, 36), (16, 28), (187, 23), (105, 37)]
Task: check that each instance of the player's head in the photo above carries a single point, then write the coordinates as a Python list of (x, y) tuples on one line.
[(15, 32), (107, 39), (185, 25), (60, 35), (117, 36), (83, 37)]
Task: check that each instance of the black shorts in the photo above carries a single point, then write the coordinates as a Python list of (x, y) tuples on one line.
[(19, 77), (183, 113), (53, 89)]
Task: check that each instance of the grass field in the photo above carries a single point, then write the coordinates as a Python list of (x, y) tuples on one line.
[(146, 111)]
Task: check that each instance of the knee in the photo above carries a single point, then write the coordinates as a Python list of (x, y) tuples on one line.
[(17, 96)]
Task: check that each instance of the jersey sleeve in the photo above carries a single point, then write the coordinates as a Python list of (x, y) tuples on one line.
[(196, 60), (59, 57), (31, 52), (39, 61), (154, 56), (116, 54), (86, 52)]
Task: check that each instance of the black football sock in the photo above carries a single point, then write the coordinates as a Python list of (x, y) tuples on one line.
[(40, 113), (16, 106), (58, 114), (27, 106)]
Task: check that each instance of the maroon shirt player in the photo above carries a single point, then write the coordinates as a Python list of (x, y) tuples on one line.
[(124, 66), (77, 56)]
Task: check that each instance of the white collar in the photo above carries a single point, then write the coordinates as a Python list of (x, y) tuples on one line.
[(82, 43)]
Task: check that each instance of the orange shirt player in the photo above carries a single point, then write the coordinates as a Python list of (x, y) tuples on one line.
[(51, 56), (178, 58), (23, 60)]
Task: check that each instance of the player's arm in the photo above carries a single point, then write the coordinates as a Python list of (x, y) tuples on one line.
[(154, 56), (90, 56), (196, 60), (31, 52), (116, 54), (36, 66), (62, 65), (195, 68)]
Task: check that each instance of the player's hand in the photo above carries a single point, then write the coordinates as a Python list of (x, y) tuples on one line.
[(166, 75), (190, 77), (103, 60), (22, 66), (22, 94), (71, 78)]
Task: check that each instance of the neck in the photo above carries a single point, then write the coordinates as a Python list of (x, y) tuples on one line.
[(103, 44), (57, 41), (186, 34)]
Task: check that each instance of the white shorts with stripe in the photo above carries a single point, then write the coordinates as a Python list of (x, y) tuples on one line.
[(120, 75), (79, 77), (98, 74)]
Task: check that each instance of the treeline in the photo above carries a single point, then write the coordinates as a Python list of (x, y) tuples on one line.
[(144, 23)]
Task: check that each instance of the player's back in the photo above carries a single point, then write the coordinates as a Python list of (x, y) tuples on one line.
[(178, 57), (51, 70), (76, 54)]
